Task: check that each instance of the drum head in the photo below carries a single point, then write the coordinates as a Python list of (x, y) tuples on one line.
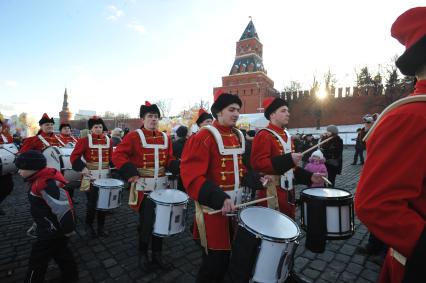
[(269, 223), (168, 196), (326, 193), (108, 182)]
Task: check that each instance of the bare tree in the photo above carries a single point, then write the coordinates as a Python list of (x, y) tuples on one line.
[(293, 86), (329, 80), (164, 106)]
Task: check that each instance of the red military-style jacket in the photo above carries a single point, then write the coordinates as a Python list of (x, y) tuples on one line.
[(206, 175), (268, 157), (66, 139), (5, 138), (129, 156), (391, 194), (91, 155), (36, 142)]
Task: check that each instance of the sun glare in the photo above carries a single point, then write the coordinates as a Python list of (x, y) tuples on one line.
[(321, 94)]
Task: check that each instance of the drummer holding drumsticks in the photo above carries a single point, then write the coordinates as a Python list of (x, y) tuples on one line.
[(211, 171), (96, 149), (273, 156), (141, 159)]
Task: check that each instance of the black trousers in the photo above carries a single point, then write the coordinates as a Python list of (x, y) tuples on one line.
[(44, 250), (332, 173), (91, 212), (214, 266), (146, 224), (359, 152), (6, 186)]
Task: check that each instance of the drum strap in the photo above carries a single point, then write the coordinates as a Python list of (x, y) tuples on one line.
[(43, 140), (4, 139), (61, 142), (199, 218), (271, 190), (156, 148), (99, 147), (229, 151)]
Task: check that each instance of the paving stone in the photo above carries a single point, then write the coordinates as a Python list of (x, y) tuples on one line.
[(347, 277), (310, 273), (337, 266), (109, 262), (329, 275), (318, 265), (354, 268), (370, 275), (343, 258), (327, 256)]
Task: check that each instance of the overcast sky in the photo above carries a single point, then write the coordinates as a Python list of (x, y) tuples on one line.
[(114, 55)]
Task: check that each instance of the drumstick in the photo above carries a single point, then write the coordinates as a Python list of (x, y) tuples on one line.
[(327, 180), (317, 145), (242, 204)]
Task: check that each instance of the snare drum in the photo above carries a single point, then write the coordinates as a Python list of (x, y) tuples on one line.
[(109, 193), (170, 211), (7, 157), (59, 158), (336, 207), (273, 240)]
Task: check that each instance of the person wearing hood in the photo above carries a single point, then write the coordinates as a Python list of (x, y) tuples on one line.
[(44, 138), (317, 165), (52, 210), (391, 194), (333, 152)]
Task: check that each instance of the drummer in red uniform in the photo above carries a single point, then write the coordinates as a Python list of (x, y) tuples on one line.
[(44, 138), (272, 155), (204, 118), (6, 181), (142, 158), (96, 149), (65, 137), (391, 194), (211, 171)]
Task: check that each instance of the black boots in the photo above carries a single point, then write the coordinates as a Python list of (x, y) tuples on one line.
[(294, 278)]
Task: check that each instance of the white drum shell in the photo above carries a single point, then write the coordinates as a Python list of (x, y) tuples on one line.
[(109, 193), (8, 153), (170, 211), (279, 236), (335, 228), (271, 254), (59, 159)]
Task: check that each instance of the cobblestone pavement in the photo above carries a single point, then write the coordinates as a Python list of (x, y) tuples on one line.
[(115, 259)]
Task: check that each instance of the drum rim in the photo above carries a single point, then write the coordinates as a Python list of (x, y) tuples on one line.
[(269, 238), (99, 186), (168, 203), (350, 196)]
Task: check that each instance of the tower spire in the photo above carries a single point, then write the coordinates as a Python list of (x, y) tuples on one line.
[(65, 104)]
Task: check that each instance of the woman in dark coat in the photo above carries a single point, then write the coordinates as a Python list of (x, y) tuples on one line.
[(333, 153)]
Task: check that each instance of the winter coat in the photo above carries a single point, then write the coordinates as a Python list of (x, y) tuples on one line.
[(317, 166)]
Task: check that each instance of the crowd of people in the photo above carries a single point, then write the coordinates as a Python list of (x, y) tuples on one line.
[(217, 164)]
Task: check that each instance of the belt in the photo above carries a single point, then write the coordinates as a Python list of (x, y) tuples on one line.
[(149, 172), (398, 257), (94, 165)]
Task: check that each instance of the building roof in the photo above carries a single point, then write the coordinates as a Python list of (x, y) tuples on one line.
[(249, 32)]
